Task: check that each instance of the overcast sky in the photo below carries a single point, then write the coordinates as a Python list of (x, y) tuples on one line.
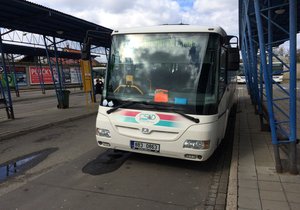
[(133, 13)]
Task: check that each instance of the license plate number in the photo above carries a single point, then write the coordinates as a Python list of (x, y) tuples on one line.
[(144, 146)]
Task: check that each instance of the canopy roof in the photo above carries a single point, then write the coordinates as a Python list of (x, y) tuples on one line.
[(30, 17), (280, 16), (31, 51)]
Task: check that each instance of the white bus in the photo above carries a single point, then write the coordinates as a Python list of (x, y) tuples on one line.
[(277, 71), (241, 78), (168, 91)]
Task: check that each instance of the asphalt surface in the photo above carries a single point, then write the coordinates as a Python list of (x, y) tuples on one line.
[(122, 180), (34, 110), (77, 174)]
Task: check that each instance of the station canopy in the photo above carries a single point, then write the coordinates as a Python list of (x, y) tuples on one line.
[(33, 18), (34, 51), (280, 17)]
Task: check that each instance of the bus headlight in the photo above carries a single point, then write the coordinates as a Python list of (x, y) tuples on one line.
[(103, 132), (196, 144)]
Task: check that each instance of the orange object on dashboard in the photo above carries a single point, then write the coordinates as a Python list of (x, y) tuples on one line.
[(161, 95)]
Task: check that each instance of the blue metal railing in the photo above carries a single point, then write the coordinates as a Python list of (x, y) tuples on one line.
[(6, 89), (258, 49), (58, 84)]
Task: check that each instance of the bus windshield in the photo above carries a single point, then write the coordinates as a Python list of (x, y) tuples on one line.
[(174, 69), (277, 68)]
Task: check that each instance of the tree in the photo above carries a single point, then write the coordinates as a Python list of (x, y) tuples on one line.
[(281, 51)]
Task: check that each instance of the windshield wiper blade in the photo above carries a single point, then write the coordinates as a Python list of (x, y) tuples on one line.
[(196, 120), (124, 105), (120, 106), (156, 106)]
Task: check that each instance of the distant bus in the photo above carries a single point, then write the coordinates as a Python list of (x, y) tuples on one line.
[(277, 73), (241, 75)]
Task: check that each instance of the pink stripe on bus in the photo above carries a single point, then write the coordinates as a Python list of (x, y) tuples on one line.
[(167, 117), (130, 113)]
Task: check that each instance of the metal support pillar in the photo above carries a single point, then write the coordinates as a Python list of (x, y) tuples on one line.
[(13, 72), (57, 66), (293, 85), (253, 64), (6, 90), (270, 46), (246, 65), (59, 88), (63, 76), (267, 84), (263, 116), (51, 66), (41, 75)]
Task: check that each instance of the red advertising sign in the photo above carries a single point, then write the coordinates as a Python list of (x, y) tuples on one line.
[(37, 78)]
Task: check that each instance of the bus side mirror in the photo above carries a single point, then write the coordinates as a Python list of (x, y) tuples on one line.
[(233, 54), (233, 59)]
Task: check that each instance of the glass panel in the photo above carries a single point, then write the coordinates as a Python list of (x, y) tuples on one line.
[(162, 68), (222, 78)]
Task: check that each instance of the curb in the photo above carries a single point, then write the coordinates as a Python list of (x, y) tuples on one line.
[(18, 99), (232, 190), (9, 135)]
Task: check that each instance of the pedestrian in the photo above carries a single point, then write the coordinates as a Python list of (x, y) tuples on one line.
[(99, 87)]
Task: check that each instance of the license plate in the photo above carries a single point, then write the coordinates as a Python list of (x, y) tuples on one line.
[(144, 146)]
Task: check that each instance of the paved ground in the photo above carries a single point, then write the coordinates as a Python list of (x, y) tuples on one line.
[(131, 183), (33, 114), (253, 183)]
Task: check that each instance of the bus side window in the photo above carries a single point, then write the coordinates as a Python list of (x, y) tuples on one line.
[(204, 77), (222, 75)]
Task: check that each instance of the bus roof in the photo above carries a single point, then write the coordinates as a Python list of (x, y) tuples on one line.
[(171, 29)]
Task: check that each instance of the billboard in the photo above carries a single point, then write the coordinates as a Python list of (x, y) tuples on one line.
[(66, 76), (20, 76), (37, 78), (71, 75), (75, 75)]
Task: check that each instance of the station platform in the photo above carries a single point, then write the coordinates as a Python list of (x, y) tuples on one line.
[(31, 94), (32, 115), (253, 180)]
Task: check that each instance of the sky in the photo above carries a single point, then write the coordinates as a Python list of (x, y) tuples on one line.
[(116, 14)]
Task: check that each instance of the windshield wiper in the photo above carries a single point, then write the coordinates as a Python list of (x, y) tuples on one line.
[(120, 106), (196, 120), (128, 104)]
